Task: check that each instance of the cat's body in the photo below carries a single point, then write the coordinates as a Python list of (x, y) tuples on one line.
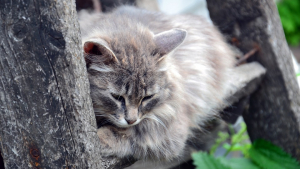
[(153, 79)]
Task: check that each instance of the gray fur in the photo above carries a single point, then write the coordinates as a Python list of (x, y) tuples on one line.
[(153, 91)]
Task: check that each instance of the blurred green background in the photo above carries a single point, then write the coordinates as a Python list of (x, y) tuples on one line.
[(289, 11)]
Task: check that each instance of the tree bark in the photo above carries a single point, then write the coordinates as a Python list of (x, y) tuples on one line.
[(106, 5), (46, 115), (274, 112)]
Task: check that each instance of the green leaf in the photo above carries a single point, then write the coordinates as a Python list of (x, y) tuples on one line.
[(204, 161), (290, 17), (238, 137), (222, 137), (297, 18), (293, 5), (245, 149), (238, 163), (269, 156), (237, 147), (293, 39), (226, 146), (288, 24), (239, 141)]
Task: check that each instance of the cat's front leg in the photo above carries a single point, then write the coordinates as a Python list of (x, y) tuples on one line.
[(113, 142)]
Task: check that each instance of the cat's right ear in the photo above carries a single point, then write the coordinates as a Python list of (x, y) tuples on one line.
[(167, 41), (97, 51)]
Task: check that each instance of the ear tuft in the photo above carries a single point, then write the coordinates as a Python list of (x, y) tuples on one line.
[(92, 48), (97, 51), (167, 41)]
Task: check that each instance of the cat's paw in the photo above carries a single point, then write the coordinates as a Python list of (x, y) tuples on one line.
[(113, 143), (107, 141)]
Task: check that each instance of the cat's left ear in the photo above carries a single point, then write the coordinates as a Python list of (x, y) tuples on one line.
[(167, 41), (98, 51)]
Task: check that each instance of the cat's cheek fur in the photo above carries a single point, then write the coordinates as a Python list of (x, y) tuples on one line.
[(121, 123), (160, 143)]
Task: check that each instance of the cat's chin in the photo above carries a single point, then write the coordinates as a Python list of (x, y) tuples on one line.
[(123, 123)]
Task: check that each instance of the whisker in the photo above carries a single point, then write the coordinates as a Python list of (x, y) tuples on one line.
[(99, 115), (156, 120)]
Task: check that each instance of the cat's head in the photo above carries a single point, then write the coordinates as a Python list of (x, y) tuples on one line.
[(128, 74)]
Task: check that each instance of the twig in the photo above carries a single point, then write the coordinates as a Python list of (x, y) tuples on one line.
[(246, 56)]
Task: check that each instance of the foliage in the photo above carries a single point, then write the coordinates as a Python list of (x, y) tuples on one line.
[(267, 155), (260, 155), (203, 161), (239, 141), (289, 11)]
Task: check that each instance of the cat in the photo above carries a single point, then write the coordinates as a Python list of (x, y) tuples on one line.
[(153, 79)]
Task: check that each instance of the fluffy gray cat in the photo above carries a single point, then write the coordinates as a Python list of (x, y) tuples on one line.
[(154, 78)]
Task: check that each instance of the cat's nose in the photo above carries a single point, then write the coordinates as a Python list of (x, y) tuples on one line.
[(132, 114), (130, 121)]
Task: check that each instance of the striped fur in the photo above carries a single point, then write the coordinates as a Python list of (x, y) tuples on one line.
[(185, 87)]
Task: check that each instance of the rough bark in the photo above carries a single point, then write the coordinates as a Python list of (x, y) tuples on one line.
[(274, 111), (106, 5), (46, 116), (1, 162)]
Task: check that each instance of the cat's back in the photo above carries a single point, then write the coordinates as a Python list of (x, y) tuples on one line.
[(105, 23)]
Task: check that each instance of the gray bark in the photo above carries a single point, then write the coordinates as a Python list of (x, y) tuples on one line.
[(107, 5), (274, 111), (46, 116)]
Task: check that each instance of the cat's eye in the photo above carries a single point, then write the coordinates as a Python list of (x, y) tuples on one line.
[(147, 97), (118, 97), (154, 52)]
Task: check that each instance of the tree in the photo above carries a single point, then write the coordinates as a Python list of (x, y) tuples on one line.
[(274, 109), (46, 119)]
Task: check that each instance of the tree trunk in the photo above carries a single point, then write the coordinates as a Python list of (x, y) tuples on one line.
[(274, 112), (46, 115), (106, 5)]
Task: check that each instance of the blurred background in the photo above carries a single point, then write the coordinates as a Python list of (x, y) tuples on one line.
[(289, 11)]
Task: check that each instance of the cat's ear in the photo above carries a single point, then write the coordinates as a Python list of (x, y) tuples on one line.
[(98, 51), (167, 41)]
